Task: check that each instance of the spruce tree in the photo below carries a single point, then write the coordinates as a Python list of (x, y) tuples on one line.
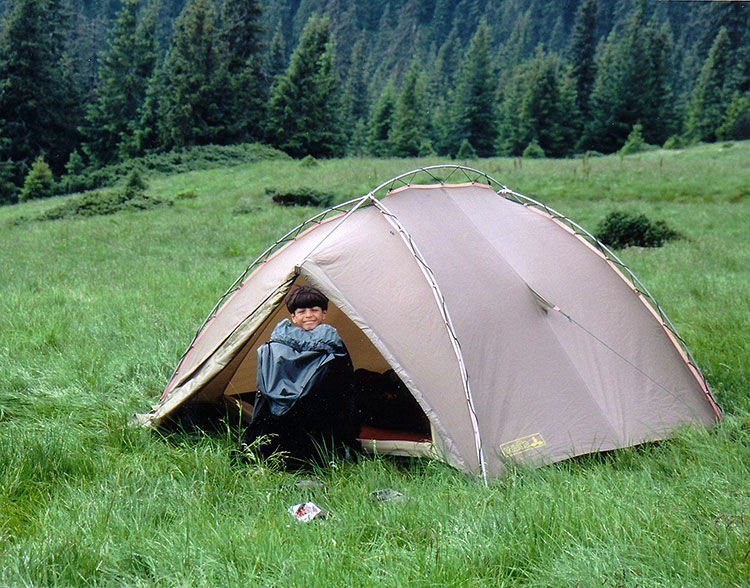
[(192, 106), (124, 77), (658, 105), (632, 86), (538, 106), (736, 123), (407, 134), (150, 132), (509, 139), (35, 98), (604, 130), (39, 182), (241, 48), (276, 64), (713, 92), (8, 172), (380, 122), (441, 76), (304, 110), (548, 111), (473, 103), (355, 105), (583, 53)]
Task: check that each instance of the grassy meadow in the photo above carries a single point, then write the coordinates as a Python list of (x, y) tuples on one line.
[(95, 313)]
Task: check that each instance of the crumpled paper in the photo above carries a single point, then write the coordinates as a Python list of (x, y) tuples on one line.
[(306, 511)]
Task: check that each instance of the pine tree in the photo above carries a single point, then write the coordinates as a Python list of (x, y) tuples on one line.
[(440, 80), (583, 53), (39, 182), (548, 112), (124, 77), (241, 47), (304, 108), (8, 172), (149, 132), (407, 134), (712, 94), (473, 103), (380, 122), (632, 86), (355, 105), (35, 98), (276, 65), (736, 123), (509, 140), (192, 106)]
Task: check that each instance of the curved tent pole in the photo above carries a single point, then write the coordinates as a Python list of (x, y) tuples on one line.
[(319, 218), (611, 257), (469, 175), (392, 219), (343, 208), (472, 175)]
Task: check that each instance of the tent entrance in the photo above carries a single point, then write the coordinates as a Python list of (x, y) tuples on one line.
[(392, 421)]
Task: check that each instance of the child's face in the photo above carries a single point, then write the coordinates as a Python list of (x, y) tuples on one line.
[(309, 318)]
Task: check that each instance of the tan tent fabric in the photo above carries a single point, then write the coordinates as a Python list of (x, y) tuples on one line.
[(369, 274), (609, 380), (519, 339)]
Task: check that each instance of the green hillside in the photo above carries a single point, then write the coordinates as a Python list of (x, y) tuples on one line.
[(96, 310), (91, 85)]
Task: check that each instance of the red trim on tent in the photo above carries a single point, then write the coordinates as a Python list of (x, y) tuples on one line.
[(368, 432), (696, 374)]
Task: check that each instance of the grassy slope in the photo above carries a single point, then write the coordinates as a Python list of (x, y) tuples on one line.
[(95, 312)]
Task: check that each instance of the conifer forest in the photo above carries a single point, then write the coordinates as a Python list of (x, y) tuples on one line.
[(86, 86)]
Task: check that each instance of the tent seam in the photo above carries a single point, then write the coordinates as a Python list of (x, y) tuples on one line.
[(595, 337), (440, 299)]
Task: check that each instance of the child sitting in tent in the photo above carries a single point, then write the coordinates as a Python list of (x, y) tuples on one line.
[(305, 402)]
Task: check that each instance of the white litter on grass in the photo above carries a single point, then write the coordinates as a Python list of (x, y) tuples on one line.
[(305, 512)]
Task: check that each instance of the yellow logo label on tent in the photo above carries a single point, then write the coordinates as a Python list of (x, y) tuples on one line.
[(522, 444)]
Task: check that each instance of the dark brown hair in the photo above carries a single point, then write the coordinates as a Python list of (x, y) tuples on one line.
[(306, 297)]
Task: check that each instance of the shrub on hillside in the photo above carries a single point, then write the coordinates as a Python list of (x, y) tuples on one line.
[(634, 143), (624, 229), (131, 196), (300, 197), (426, 149), (192, 159), (186, 195), (308, 161), (246, 206), (88, 204), (98, 203), (466, 150), (674, 142), (39, 182), (533, 151)]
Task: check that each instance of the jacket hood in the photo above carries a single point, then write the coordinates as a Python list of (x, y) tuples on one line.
[(322, 338)]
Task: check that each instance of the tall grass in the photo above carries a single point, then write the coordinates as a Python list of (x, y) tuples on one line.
[(95, 312)]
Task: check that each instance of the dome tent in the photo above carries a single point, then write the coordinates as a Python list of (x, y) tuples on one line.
[(519, 334)]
